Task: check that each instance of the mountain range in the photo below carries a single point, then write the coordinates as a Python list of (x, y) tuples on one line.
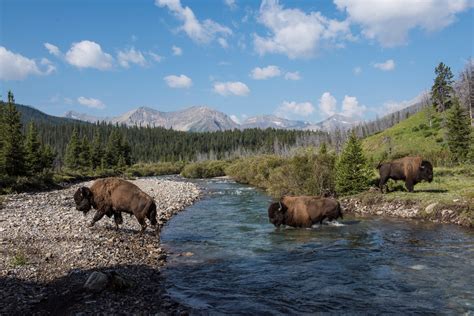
[(205, 119)]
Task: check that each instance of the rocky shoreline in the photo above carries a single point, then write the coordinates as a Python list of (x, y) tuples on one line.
[(48, 253), (373, 203)]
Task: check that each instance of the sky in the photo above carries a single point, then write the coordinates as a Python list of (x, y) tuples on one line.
[(297, 59)]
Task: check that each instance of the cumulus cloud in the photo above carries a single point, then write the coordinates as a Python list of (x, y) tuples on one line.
[(327, 104), (199, 31), (295, 33), (231, 88), (231, 4), (130, 56), (386, 65), (389, 22), (91, 103), (357, 70), (177, 51), (17, 67), (265, 72), (88, 54), (351, 107), (289, 108), (155, 57), (293, 75), (52, 49), (394, 106), (181, 81)]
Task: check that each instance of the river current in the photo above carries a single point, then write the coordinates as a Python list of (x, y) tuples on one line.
[(227, 258)]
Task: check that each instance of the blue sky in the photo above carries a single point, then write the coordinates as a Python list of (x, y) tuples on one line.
[(297, 59)]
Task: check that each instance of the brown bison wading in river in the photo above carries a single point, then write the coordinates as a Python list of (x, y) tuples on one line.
[(410, 169), (111, 196), (303, 211)]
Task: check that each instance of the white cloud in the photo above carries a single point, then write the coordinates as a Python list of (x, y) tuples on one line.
[(265, 72), (295, 33), (180, 81), (223, 42), (293, 75), (394, 106), (351, 107), (88, 54), (389, 22), (91, 103), (177, 51), (288, 108), (231, 4), (131, 56), (327, 104), (386, 65), (357, 70), (155, 57), (227, 88), (52, 49), (17, 67), (200, 32)]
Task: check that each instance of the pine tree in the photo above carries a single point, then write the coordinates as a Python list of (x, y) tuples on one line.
[(442, 89), (113, 150), (97, 153), (13, 153), (459, 131), (352, 172), (47, 156), (85, 154), (2, 139), (73, 150), (33, 150)]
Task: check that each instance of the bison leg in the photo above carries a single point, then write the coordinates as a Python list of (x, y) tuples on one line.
[(118, 219), (409, 185), (382, 182), (98, 215), (142, 222)]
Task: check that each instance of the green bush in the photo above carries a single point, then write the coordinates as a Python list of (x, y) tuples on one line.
[(254, 170), (154, 169), (205, 169)]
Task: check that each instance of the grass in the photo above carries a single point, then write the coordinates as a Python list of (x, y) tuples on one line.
[(19, 259), (413, 136)]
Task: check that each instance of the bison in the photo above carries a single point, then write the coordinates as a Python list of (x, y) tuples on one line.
[(410, 169), (303, 211), (111, 196)]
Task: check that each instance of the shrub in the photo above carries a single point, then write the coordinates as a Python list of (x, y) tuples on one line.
[(205, 169), (154, 169)]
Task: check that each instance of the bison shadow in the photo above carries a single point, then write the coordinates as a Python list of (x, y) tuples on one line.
[(66, 295), (431, 191)]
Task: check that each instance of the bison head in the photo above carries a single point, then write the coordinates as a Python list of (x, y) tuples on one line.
[(276, 213), (83, 199), (426, 171)]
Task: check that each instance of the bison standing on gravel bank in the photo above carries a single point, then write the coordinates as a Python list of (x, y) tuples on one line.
[(111, 196), (303, 211), (410, 169)]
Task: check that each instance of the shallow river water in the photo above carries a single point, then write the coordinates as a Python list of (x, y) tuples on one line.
[(227, 258)]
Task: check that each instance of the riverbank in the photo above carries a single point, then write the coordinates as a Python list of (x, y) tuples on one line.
[(48, 252)]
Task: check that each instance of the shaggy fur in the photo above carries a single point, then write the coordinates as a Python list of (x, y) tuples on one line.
[(111, 196), (303, 211), (410, 169)]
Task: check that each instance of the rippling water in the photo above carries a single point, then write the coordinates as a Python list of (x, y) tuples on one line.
[(227, 258)]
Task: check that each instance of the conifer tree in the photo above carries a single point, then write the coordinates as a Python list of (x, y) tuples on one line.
[(97, 153), (33, 150), (73, 150), (13, 153), (352, 172), (442, 89), (47, 156), (459, 131), (85, 153)]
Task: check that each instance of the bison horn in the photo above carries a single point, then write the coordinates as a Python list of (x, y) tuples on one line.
[(281, 207)]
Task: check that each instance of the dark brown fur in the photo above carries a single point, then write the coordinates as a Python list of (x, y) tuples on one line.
[(410, 169), (303, 211), (111, 196)]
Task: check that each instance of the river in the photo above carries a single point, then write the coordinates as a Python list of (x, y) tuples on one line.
[(225, 257)]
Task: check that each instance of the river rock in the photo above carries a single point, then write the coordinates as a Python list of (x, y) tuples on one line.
[(96, 282), (430, 208)]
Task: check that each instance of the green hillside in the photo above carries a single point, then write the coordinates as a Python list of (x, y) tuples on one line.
[(413, 136)]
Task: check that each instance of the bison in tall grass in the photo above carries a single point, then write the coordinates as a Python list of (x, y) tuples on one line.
[(111, 196), (410, 169), (303, 211)]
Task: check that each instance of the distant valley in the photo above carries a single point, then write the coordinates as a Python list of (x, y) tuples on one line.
[(205, 119)]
